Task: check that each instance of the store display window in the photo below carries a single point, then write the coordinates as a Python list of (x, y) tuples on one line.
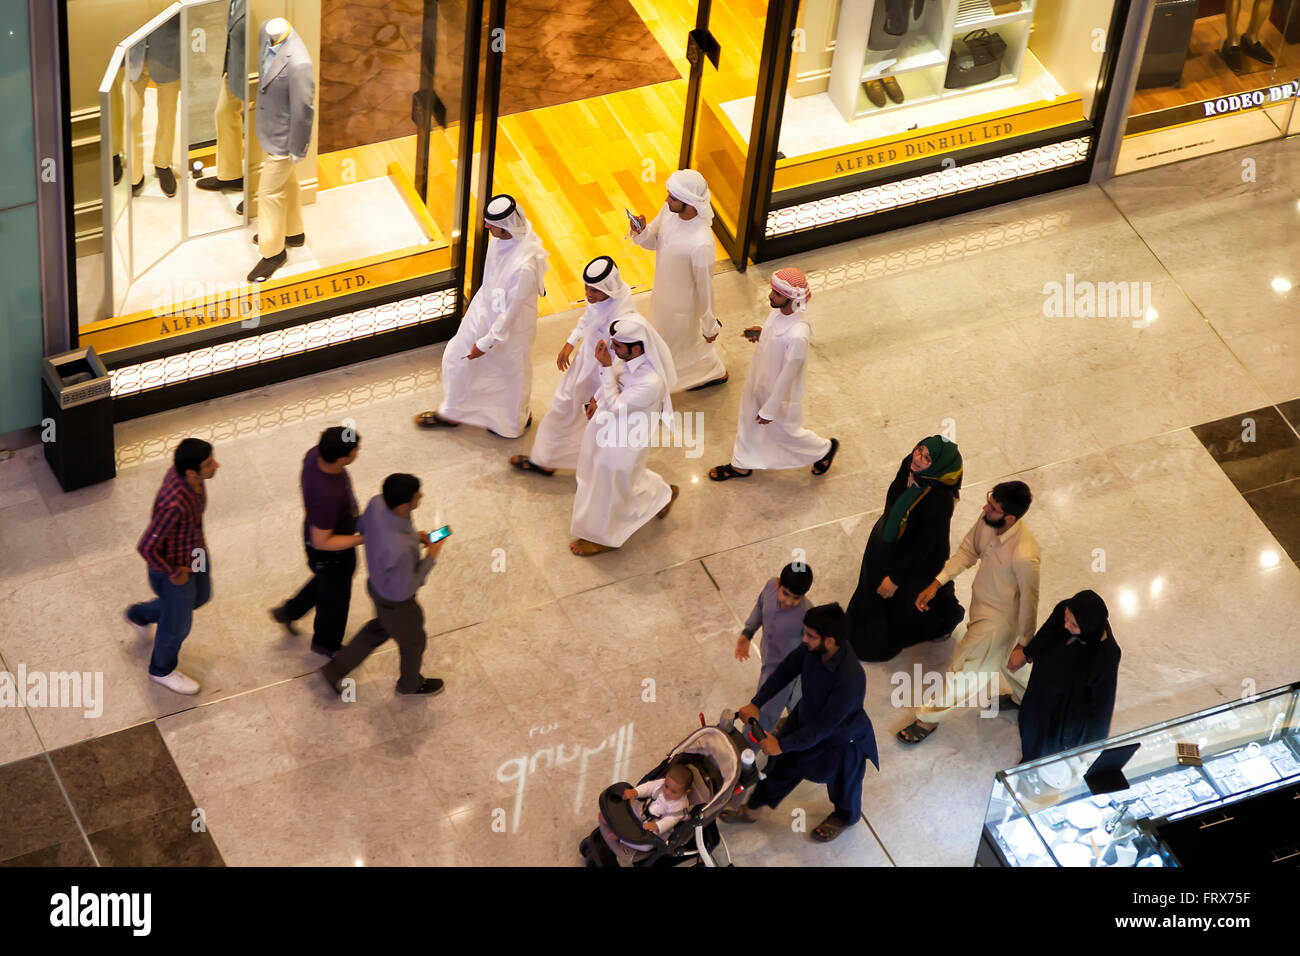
[(882, 90), (1214, 75), (243, 163)]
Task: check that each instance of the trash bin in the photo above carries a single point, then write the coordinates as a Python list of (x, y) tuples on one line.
[(77, 418)]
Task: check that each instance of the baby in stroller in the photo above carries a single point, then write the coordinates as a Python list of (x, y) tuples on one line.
[(661, 804)]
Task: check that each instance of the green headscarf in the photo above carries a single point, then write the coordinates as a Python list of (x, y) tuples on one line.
[(944, 471)]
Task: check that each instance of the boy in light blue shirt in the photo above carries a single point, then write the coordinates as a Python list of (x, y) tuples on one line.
[(779, 611)]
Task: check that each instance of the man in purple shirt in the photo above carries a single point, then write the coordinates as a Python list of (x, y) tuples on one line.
[(329, 532)]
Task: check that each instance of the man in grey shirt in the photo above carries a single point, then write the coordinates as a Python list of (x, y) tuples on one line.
[(779, 611), (397, 570)]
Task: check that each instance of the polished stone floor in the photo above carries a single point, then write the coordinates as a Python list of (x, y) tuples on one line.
[(564, 674)]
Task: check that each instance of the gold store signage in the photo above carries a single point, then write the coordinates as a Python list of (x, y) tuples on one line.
[(913, 144), (190, 306)]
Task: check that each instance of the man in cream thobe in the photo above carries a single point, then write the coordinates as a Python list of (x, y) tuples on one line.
[(1003, 610), (617, 494), (559, 434), (487, 367), (770, 432), (681, 310)]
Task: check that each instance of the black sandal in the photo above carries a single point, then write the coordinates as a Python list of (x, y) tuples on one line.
[(431, 420), (919, 733), (499, 435), (824, 465), (829, 829), (726, 473), (524, 463)]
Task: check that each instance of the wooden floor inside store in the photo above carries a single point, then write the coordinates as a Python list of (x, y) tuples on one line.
[(575, 166), (1206, 76)]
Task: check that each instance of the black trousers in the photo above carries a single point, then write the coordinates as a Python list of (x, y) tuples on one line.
[(330, 592), (403, 621)]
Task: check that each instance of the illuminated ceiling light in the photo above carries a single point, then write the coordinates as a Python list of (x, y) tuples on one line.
[(1128, 600), (1281, 285), (1268, 559), (358, 862), (1157, 585), (1150, 314)]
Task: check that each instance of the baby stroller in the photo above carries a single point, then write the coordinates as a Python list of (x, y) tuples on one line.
[(725, 763)]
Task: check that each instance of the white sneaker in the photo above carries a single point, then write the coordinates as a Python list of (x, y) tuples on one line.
[(141, 630), (177, 682)]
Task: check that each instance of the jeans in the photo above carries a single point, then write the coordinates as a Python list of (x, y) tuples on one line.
[(330, 592), (173, 611)]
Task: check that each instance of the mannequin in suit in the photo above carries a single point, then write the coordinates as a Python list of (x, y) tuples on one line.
[(1235, 42), (286, 86), (230, 105), (156, 58)]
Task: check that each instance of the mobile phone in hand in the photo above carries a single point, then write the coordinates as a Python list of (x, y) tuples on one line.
[(436, 536)]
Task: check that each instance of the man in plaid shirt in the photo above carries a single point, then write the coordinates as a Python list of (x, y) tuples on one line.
[(177, 558)]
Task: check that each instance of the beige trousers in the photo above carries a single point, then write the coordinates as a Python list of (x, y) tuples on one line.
[(978, 673), (279, 208), (164, 134), (230, 135)]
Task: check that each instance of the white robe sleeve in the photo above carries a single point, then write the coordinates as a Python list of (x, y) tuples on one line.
[(643, 394), (702, 275), (648, 238), (966, 556), (517, 300), (792, 369)]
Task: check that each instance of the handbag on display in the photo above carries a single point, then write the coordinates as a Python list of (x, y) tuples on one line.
[(976, 58)]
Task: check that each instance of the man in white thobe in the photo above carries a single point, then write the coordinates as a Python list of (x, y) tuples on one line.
[(681, 310), (617, 493), (487, 367), (1003, 612), (559, 434), (770, 432)]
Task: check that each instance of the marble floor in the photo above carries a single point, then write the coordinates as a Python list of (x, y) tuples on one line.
[(565, 674)]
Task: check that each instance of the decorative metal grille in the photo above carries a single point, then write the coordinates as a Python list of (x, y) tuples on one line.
[(907, 192), (226, 356)]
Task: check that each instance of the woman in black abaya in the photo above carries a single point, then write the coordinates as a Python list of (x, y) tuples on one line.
[(1071, 692)]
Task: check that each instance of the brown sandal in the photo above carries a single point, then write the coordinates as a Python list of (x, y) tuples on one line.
[(433, 420), (524, 463), (829, 829), (663, 513), (585, 549)]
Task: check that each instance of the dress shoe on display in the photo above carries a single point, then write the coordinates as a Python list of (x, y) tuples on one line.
[(1231, 56), (266, 267), (177, 683), (1257, 51), (297, 240), (213, 184), (166, 179), (875, 91), (893, 89), (117, 169)]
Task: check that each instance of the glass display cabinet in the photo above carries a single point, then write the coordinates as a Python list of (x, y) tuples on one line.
[(1227, 767)]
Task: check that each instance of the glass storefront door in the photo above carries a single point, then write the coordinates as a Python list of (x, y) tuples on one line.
[(327, 145)]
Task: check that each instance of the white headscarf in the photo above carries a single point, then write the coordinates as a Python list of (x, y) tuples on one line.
[(619, 292), (689, 187), (633, 328), (506, 256)]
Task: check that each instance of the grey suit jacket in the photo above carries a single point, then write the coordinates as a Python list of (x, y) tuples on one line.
[(235, 65), (284, 95), (162, 50)]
